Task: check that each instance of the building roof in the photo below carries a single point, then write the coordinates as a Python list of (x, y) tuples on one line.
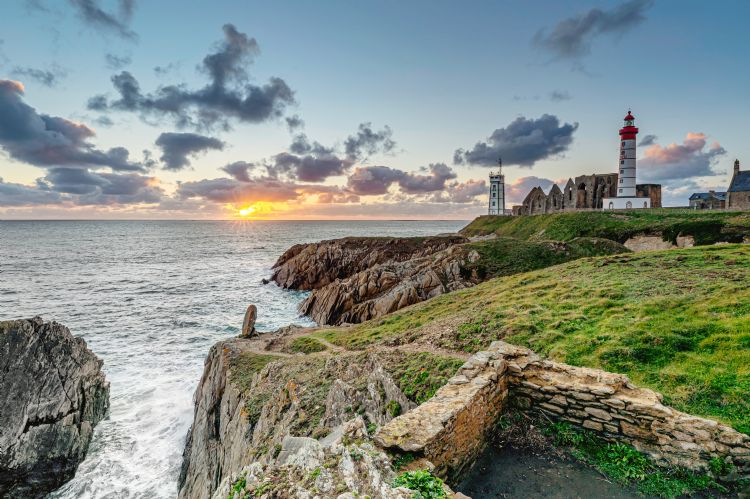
[(721, 196), (740, 182)]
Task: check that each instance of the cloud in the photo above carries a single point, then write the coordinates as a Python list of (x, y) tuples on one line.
[(176, 147), (516, 191), (461, 192), (23, 195), (116, 62), (572, 38), (92, 14), (47, 77), (228, 190), (239, 170), (47, 141), (677, 162), (301, 145), (376, 180), (366, 141), (103, 188), (228, 95), (310, 168), (559, 95), (647, 140), (523, 142), (294, 123)]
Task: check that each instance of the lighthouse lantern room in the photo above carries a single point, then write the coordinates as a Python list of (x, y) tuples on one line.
[(626, 187)]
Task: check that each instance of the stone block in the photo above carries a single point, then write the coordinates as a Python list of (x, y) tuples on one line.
[(552, 408), (582, 396), (598, 413), (592, 425), (613, 402)]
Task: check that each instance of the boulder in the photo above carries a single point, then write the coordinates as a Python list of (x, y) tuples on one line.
[(53, 395), (248, 325)]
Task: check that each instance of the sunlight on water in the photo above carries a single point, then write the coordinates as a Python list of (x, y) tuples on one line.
[(150, 298)]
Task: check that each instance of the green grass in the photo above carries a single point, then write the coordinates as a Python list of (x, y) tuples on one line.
[(420, 375), (707, 227), (306, 344), (244, 367), (676, 321), (625, 465)]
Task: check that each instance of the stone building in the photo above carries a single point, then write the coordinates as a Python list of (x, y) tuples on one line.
[(710, 200), (738, 195), (585, 192)]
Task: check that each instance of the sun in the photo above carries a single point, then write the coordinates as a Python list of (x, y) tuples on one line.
[(246, 212)]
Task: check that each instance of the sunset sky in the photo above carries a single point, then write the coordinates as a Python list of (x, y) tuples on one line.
[(357, 109)]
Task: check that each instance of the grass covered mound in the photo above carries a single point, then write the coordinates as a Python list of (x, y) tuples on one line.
[(676, 321), (707, 227)]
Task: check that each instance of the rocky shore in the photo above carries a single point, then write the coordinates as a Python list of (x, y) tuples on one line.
[(53, 395)]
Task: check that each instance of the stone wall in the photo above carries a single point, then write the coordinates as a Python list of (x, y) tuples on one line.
[(450, 429), (514, 378)]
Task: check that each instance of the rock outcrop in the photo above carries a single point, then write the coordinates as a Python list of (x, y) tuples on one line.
[(251, 400), (52, 394), (311, 266), (390, 286)]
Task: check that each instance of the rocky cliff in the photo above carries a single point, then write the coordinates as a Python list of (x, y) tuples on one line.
[(312, 266), (53, 394), (258, 406)]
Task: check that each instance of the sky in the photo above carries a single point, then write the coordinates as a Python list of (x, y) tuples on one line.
[(128, 109)]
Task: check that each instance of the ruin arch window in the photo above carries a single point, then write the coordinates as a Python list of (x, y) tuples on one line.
[(628, 205), (611, 205), (645, 204)]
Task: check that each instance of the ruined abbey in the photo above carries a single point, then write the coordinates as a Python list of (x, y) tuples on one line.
[(585, 192)]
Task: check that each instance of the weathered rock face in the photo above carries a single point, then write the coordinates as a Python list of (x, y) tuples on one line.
[(312, 266), (388, 287), (654, 243), (244, 417), (53, 394)]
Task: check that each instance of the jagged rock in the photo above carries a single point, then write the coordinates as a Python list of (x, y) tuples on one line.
[(387, 287), (52, 394), (248, 325), (312, 266)]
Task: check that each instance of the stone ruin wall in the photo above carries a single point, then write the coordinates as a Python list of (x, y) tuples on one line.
[(451, 429)]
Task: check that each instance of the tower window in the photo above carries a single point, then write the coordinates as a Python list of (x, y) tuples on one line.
[(620, 191)]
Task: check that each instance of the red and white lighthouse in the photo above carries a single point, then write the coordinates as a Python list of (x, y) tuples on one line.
[(626, 187)]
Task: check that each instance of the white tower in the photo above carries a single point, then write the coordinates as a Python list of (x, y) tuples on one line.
[(626, 189), (497, 191)]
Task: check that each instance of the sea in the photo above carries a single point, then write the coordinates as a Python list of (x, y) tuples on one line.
[(150, 298)]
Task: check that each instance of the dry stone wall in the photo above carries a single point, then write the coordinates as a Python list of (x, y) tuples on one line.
[(450, 429)]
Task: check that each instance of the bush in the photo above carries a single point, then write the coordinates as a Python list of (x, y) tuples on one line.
[(393, 408), (423, 483)]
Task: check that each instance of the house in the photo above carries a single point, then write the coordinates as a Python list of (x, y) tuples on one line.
[(710, 200), (738, 195)]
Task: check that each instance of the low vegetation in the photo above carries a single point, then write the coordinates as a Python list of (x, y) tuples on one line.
[(625, 465), (676, 321), (306, 344), (419, 375), (424, 484), (707, 227), (246, 365)]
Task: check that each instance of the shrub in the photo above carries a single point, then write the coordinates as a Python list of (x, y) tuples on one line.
[(393, 408), (423, 483)]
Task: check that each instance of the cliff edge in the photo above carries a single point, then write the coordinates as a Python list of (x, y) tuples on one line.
[(53, 394)]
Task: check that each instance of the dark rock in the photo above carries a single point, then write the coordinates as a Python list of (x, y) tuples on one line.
[(53, 394), (248, 325)]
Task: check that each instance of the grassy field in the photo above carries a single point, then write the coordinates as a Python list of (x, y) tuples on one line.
[(707, 227), (676, 321)]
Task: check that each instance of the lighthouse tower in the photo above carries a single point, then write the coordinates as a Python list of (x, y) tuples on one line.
[(497, 191), (626, 189)]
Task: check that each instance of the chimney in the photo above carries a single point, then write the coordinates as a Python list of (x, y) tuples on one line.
[(713, 193), (736, 166)]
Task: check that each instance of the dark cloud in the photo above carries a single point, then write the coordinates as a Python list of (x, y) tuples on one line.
[(366, 141), (229, 95), (676, 162), (647, 140), (116, 62), (228, 190), (49, 141), (372, 180), (23, 195), (461, 192), (310, 168), (523, 142), (294, 123), (559, 95), (47, 77), (572, 38), (91, 12), (176, 147), (166, 69), (301, 145), (439, 174), (376, 180), (239, 170)]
